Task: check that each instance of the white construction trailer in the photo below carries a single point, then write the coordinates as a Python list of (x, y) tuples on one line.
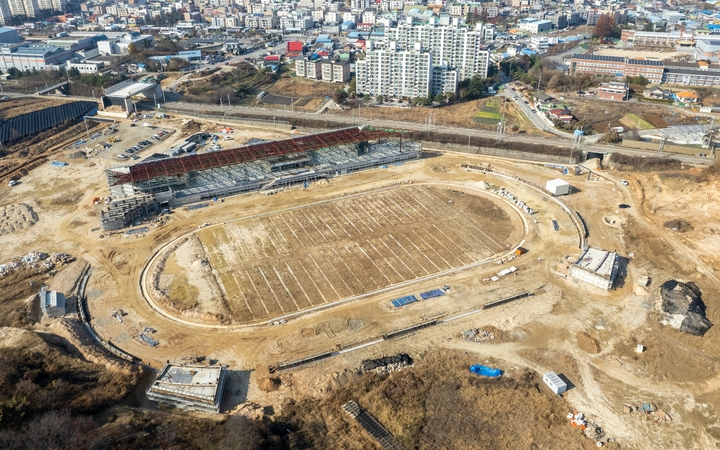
[(558, 187), (555, 383)]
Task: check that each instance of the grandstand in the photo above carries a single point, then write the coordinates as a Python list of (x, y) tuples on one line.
[(263, 166)]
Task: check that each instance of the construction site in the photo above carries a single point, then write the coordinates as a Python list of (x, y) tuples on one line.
[(341, 285), (265, 167)]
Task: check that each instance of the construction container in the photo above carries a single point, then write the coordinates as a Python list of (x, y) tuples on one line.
[(555, 383), (558, 187), (520, 251)]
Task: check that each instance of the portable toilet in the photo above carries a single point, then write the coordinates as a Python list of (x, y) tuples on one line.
[(555, 383)]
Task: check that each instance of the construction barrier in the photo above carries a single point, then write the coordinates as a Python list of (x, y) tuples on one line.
[(412, 329), (502, 301), (302, 362)]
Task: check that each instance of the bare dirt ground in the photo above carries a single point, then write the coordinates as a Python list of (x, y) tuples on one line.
[(677, 372), (288, 86), (282, 263), (15, 107), (458, 115), (599, 113)]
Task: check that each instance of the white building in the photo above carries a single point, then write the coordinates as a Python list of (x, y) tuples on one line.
[(555, 383), (86, 67), (539, 43), (52, 303), (395, 73), (535, 26), (596, 267), (452, 46), (120, 46), (558, 186)]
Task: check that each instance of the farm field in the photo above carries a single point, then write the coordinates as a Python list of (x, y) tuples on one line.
[(277, 264)]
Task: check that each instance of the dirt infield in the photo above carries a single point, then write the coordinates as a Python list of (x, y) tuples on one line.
[(269, 266)]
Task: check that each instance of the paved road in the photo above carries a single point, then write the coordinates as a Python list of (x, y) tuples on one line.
[(530, 140), (534, 117)]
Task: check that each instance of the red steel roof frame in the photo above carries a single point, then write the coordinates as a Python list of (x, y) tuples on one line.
[(179, 166)]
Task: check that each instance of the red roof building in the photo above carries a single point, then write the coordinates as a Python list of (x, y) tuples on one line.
[(295, 46)]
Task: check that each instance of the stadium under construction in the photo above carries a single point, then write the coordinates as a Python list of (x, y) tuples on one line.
[(147, 187)]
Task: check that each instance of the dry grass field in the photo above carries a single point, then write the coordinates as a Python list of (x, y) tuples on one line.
[(277, 264)]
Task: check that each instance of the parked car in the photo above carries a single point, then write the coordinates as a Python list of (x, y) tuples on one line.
[(624, 182)]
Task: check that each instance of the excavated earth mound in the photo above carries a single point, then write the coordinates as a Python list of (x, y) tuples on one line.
[(684, 307)]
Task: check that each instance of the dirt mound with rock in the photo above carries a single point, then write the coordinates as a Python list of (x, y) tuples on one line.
[(388, 363), (678, 225), (16, 218), (269, 384), (587, 343), (684, 307)]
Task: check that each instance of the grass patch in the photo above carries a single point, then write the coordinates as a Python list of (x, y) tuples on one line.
[(492, 103), (488, 115), (639, 122)]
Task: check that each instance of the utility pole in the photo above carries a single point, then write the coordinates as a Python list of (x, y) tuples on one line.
[(468, 144), (228, 100)]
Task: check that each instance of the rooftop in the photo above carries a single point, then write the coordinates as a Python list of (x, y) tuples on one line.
[(178, 166), (130, 90), (600, 262), (193, 386)]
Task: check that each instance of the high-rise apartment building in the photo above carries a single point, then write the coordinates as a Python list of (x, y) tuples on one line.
[(395, 73), (20, 8), (5, 16), (457, 47), (421, 60)]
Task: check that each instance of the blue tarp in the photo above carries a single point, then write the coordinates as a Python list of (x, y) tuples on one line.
[(485, 371), (399, 302), (432, 294)]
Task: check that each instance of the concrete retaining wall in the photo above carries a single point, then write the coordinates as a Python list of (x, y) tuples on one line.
[(502, 153), (229, 118)]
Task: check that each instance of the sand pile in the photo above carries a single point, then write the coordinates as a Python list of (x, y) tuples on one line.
[(16, 217), (587, 343)]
